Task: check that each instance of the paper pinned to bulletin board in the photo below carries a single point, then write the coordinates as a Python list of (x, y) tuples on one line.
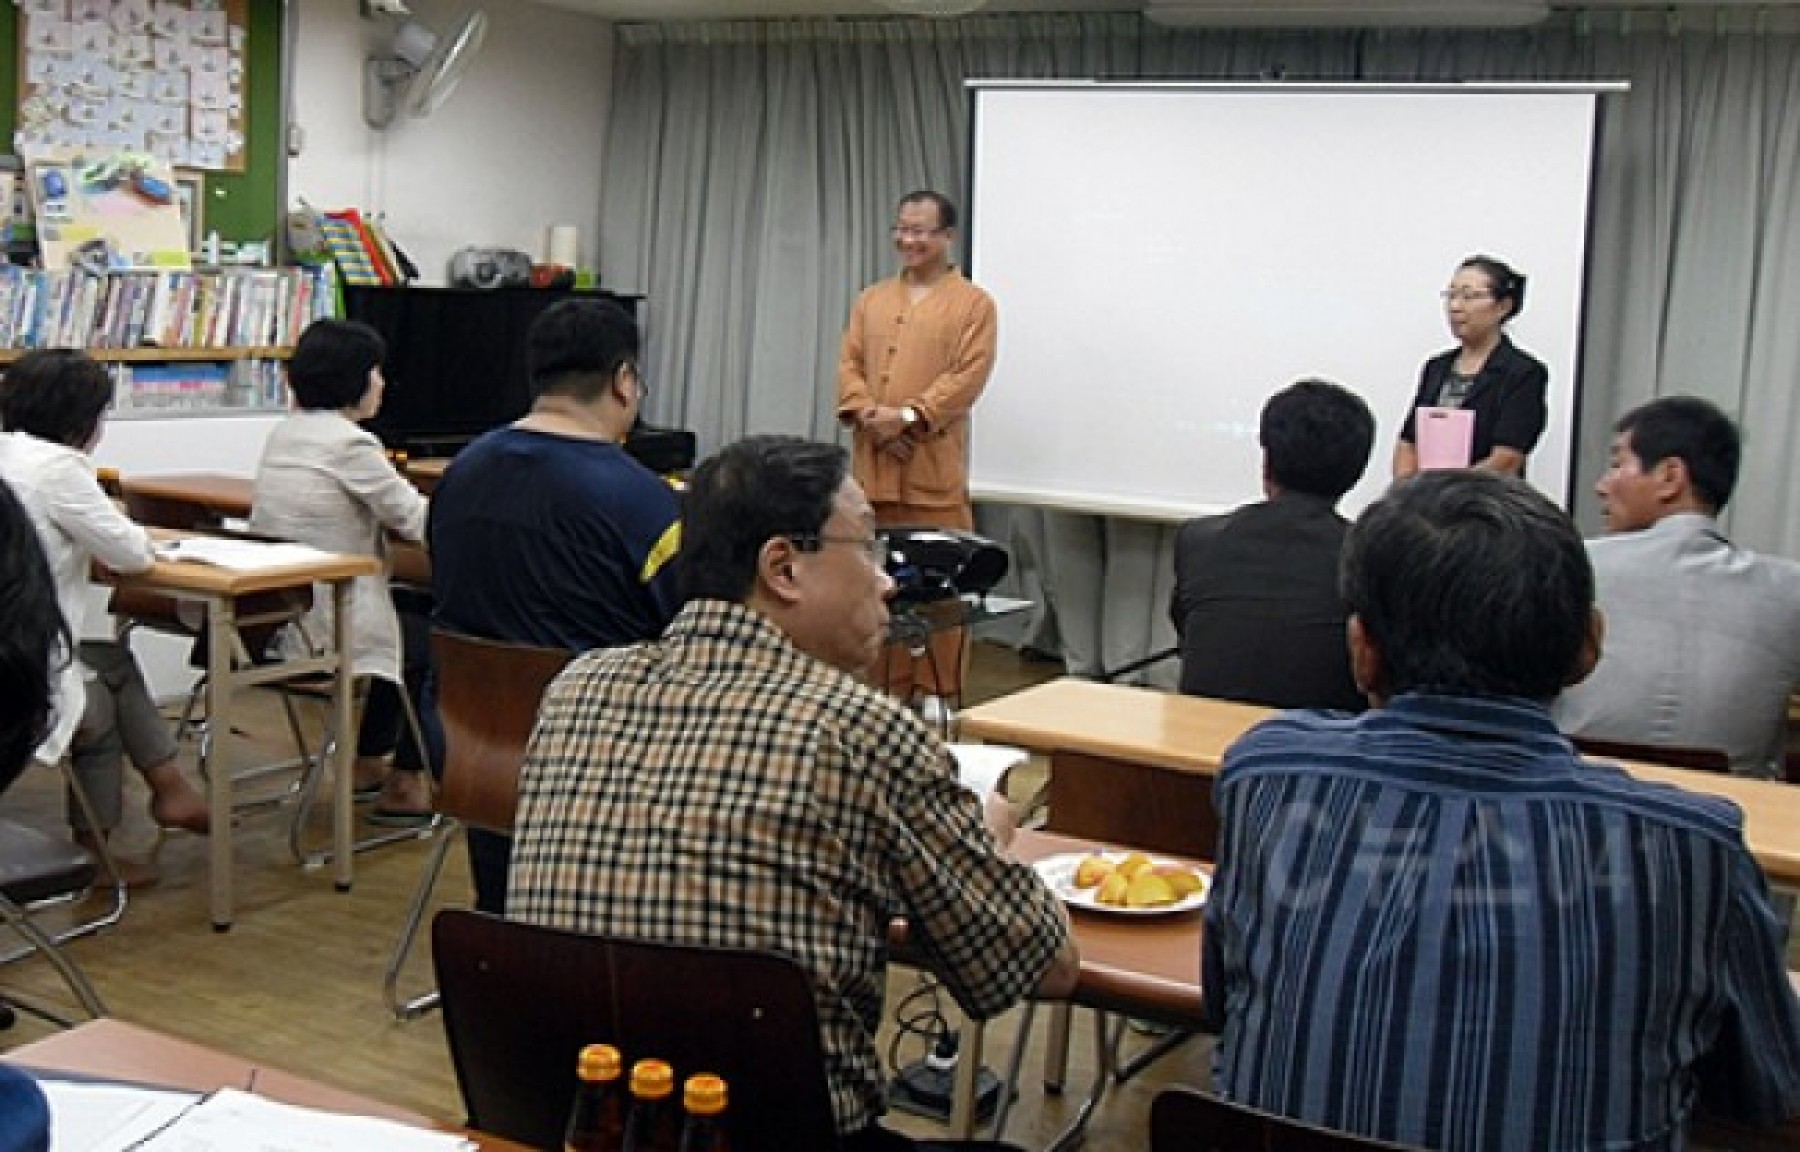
[(159, 76), (107, 212)]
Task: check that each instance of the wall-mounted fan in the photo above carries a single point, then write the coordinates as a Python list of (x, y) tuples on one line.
[(420, 68)]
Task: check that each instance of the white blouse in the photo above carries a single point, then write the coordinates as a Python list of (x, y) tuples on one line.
[(77, 523)]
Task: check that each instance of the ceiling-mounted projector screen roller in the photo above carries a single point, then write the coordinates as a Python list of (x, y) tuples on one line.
[(1165, 257)]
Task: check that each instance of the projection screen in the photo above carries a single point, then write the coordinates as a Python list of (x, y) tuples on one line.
[(1164, 257)]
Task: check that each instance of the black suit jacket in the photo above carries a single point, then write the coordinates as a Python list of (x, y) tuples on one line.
[(1256, 606), (1508, 399)]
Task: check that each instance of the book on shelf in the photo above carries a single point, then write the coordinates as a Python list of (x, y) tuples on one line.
[(223, 308), (348, 242)]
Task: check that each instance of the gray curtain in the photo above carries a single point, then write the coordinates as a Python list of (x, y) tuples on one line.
[(752, 168)]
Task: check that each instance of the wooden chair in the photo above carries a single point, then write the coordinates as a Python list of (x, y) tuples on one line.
[(1698, 759), (520, 1001), (1186, 1120), (39, 872), (488, 695)]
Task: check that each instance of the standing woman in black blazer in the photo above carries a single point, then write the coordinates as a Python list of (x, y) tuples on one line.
[(1502, 384)]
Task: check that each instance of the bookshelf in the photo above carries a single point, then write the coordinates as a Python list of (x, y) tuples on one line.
[(177, 342)]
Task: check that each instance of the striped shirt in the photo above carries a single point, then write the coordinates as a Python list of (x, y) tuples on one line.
[(1434, 924), (720, 787)]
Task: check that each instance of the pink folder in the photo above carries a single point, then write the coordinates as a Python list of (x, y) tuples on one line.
[(1444, 437)]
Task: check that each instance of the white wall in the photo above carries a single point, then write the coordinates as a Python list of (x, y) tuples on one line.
[(517, 148)]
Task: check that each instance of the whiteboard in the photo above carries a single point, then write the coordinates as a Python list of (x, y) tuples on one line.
[(1166, 257)]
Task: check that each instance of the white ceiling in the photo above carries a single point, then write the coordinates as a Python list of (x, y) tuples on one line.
[(645, 10)]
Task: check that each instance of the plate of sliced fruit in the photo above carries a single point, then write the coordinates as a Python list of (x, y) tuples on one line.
[(1127, 883)]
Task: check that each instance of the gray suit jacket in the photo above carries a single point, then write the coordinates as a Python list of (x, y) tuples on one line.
[(1702, 644)]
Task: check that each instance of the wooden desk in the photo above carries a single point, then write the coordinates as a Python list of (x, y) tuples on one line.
[(219, 591), (115, 1050), (176, 499), (1126, 764), (1147, 967), (1144, 966), (199, 499), (1145, 757), (426, 473)]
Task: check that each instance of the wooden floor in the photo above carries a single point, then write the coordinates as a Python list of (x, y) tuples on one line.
[(297, 982)]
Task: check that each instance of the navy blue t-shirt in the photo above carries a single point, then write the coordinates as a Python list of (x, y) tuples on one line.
[(554, 541)]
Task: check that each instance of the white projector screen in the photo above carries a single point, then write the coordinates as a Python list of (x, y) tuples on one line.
[(1164, 257)]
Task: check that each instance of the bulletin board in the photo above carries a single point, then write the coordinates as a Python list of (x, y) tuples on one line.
[(163, 77)]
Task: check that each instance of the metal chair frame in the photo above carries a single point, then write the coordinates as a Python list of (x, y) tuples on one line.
[(56, 878)]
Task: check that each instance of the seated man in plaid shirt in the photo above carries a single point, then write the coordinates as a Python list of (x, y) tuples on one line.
[(735, 784)]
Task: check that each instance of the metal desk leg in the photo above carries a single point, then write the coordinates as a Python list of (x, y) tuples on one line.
[(962, 1089), (1056, 1048), (220, 685), (343, 808), (1106, 1042)]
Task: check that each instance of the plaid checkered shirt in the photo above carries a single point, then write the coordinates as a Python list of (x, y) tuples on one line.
[(720, 787)]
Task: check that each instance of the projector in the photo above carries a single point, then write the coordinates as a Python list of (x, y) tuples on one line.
[(929, 564)]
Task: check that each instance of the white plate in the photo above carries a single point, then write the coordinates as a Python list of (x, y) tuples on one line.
[(1058, 873)]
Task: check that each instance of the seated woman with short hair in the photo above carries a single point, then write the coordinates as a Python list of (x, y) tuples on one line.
[(325, 481), (52, 405)]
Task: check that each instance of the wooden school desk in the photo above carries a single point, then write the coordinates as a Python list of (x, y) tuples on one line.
[(1137, 754), (1143, 966), (219, 591), (186, 499)]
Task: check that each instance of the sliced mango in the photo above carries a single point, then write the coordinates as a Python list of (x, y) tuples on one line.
[(1092, 870), (1148, 890)]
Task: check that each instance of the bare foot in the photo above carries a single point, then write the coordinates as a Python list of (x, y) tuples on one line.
[(370, 774), (174, 803), (131, 873), (405, 792)]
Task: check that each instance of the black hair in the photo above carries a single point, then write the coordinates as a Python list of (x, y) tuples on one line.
[(1466, 581), (1505, 282), (34, 640), (747, 494), (1316, 437), (946, 211), (57, 395), (331, 364), (576, 347), (1693, 431)]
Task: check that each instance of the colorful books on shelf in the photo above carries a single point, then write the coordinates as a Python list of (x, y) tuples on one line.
[(358, 257), (224, 308), (197, 385)]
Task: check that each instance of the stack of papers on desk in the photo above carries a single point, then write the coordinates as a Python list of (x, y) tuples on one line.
[(121, 1118), (238, 555), (980, 767)]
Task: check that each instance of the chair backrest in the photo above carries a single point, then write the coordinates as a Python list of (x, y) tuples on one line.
[(520, 1000), (1187, 1120), (164, 512), (1700, 759), (488, 693)]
